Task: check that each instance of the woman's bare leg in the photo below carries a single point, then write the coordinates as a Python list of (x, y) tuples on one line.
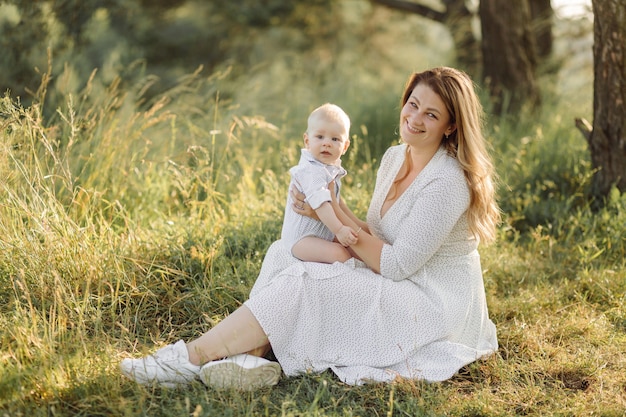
[(239, 332)]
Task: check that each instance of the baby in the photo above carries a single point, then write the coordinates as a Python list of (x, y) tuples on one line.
[(326, 140)]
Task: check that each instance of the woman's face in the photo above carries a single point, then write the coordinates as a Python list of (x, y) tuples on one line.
[(424, 119)]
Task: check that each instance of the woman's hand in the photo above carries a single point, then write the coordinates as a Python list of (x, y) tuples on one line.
[(300, 205)]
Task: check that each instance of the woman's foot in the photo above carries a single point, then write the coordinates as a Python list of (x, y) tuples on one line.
[(168, 367), (244, 372)]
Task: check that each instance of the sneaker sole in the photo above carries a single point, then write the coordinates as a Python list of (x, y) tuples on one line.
[(232, 375), (146, 382)]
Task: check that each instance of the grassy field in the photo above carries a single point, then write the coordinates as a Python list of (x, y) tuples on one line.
[(127, 223)]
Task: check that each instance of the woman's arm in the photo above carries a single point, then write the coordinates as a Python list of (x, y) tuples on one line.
[(363, 225), (344, 234), (301, 206), (368, 248)]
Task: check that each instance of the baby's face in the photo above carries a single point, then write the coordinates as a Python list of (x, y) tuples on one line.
[(327, 140)]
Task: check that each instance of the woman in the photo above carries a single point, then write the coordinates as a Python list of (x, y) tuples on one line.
[(410, 304)]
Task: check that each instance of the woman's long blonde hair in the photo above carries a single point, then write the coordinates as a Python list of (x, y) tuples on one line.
[(467, 143)]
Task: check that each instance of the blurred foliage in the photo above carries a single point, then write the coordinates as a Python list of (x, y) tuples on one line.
[(166, 35), (282, 58)]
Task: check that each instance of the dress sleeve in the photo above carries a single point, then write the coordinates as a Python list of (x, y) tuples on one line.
[(436, 209)]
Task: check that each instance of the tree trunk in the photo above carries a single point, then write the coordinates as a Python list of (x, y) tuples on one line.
[(466, 43), (509, 55), (542, 15), (607, 141)]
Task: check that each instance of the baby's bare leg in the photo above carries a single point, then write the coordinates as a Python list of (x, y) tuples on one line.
[(314, 249)]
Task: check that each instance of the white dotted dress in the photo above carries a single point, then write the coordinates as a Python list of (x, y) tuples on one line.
[(424, 317)]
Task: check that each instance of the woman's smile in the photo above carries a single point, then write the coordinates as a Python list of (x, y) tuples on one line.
[(415, 131)]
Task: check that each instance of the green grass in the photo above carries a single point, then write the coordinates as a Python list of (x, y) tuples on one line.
[(126, 224)]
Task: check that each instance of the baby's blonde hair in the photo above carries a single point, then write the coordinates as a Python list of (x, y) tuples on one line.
[(330, 112)]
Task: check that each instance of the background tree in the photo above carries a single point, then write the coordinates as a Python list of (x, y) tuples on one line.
[(514, 35), (542, 16), (509, 55), (607, 138)]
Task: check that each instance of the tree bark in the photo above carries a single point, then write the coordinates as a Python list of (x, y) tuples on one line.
[(607, 141), (509, 55), (466, 43), (542, 15)]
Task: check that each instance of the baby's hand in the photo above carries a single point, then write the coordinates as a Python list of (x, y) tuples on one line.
[(346, 236)]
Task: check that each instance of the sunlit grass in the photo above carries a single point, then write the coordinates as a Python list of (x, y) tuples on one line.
[(127, 223)]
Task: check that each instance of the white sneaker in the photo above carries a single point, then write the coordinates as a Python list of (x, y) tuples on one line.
[(168, 367), (244, 372)]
